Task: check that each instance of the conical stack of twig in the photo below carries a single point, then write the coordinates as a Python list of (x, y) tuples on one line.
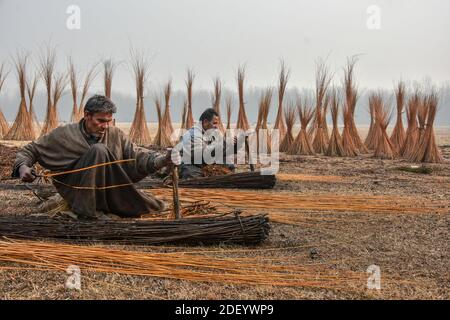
[(229, 105), (109, 66), (383, 148), (369, 141), (351, 97), (428, 150), (22, 128), (216, 101), (167, 118), (422, 113), (242, 121), (398, 134), (74, 91), (288, 139), (47, 65), (59, 84), (4, 126), (161, 138), (282, 82), (320, 140), (262, 130), (335, 148), (139, 132), (302, 144), (183, 120), (412, 132), (189, 85), (31, 91), (90, 76)]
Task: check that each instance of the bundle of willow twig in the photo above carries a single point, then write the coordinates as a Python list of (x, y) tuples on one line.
[(188, 266), (22, 128), (206, 230), (244, 180), (282, 82)]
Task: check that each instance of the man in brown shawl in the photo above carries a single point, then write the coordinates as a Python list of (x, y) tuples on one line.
[(93, 141)]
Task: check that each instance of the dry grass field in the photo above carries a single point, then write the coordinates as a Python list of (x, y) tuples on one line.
[(329, 216)]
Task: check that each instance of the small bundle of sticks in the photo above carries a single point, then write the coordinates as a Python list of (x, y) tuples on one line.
[(206, 230)]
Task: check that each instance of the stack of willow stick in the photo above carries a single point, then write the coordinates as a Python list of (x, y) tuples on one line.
[(205, 230)]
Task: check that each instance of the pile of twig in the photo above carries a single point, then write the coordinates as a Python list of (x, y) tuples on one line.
[(244, 180), (213, 230)]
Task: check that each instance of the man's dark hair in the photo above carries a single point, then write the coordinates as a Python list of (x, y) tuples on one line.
[(208, 114), (99, 103)]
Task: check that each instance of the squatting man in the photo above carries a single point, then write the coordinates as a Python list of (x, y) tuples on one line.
[(98, 192)]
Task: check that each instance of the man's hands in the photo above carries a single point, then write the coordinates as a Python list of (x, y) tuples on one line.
[(26, 173), (169, 160)]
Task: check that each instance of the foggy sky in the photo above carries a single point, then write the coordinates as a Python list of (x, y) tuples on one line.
[(215, 36)]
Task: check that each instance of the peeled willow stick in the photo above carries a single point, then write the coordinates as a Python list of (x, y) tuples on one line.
[(215, 101), (242, 121), (398, 135), (189, 85), (139, 132), (167, 118), (4, 126), (282, 83), (288, 139), (302, 144), (383, 147), (335, 147), (47, 65), (22, 128), (428, 150)]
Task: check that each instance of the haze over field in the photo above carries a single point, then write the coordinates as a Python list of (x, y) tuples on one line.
[(214, 37)]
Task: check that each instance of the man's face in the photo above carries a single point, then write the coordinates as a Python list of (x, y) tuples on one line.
[(97, 123), (213, 124)]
